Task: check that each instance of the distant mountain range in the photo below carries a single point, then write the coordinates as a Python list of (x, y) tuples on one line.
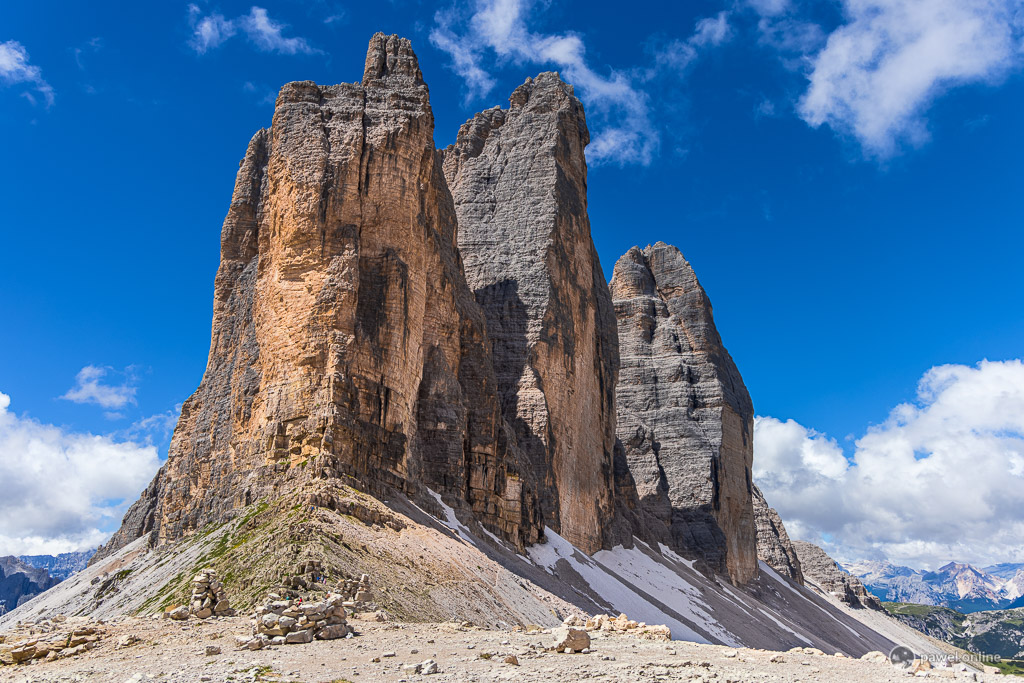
[(23, 578), (958, 586), (999, 632), (60, 566)]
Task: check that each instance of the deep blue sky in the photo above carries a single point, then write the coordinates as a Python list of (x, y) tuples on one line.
[(838, 275)]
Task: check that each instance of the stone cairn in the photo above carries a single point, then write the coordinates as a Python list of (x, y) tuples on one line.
[(357, 593), (286, 622), (208, 598)]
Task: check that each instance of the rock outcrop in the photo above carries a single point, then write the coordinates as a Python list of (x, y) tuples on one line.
[(822, 571), (773, 545), (518, 177), (20, 581), (684, 415), (345, 341)]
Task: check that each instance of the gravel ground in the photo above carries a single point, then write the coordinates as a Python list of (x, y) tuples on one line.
[(176, 651)]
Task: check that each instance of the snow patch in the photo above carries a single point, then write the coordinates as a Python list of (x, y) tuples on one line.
[(451, 521), (622, 594)]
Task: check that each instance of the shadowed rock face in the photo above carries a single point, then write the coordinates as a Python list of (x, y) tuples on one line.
[(773, 545), (684, 416), (519, 182), (345, 339)]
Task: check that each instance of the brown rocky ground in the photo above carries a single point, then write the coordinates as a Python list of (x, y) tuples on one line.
[(167, 651)]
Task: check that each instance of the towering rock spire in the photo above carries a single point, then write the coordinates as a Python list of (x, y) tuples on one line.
[(345, 341), (519, 181), (684, 416)]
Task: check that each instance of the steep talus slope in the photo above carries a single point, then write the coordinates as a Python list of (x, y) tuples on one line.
[(426, 569), (345, 340), (684, 416), (519, 181)]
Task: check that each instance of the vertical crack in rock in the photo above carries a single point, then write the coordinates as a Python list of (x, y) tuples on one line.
[(519, 181), (685, 418)]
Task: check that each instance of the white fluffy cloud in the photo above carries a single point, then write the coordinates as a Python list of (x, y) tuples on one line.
[(499, 27), (941, 479), (63, 491), (15, 68), (89, 388), (879, 72), (210, 31)]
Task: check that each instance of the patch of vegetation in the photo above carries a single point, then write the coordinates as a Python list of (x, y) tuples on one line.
[(1010, 667)]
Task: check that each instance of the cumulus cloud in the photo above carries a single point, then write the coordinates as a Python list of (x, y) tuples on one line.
[(497, 32), (89, 388), (15, 69), (941, 479), (880, 71), (62, 491), (712, 30), (212, 30)]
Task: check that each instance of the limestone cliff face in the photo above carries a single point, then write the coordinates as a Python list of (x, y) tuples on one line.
[(519, 181), (345, 339), (773, 545), (684, 416)]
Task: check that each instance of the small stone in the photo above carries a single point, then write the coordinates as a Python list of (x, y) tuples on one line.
[(212, 650), (512, 659)]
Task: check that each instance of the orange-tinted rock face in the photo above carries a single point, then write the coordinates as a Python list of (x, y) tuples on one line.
[(345, 340), (406, 319)]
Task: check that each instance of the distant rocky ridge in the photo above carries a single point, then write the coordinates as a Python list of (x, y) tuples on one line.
[(958, 586), (60, 566), (19, 582), (825, 573)]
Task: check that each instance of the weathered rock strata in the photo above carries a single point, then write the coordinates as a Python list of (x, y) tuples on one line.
[(684, 415), (519, 181), (345, 340), (773, 545)]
